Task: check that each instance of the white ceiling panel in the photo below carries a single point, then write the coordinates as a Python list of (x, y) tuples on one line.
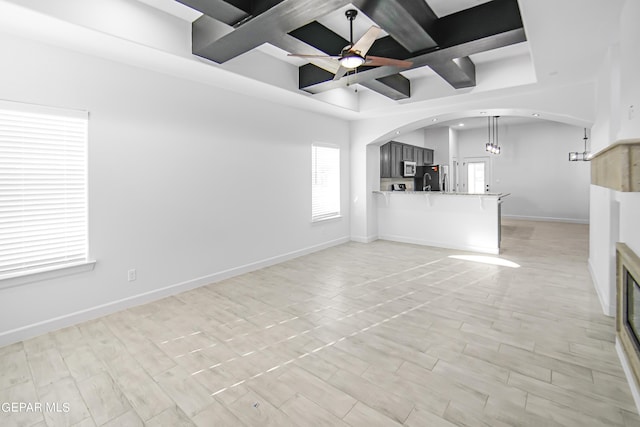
[(447, 7), (174, 8), (337, 22)]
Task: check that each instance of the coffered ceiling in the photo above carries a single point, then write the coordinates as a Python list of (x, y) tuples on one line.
[(437, 36), (566, 43)]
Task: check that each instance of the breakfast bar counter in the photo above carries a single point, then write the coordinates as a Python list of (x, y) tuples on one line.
[(450, 220)]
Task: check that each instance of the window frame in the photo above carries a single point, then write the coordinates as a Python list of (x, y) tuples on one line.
[(46, 271), (330, 215)]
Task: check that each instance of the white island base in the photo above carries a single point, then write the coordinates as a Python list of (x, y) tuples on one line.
[(462, 221)]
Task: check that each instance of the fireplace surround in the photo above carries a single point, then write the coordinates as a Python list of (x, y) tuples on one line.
[(628, 307)]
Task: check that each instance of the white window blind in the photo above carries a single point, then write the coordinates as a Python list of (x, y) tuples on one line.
[(43, 188), (325, 179)]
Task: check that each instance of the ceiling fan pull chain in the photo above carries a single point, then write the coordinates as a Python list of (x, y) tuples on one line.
[(355, 75)]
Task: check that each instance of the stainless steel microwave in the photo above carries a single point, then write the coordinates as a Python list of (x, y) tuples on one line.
[(409, 168)]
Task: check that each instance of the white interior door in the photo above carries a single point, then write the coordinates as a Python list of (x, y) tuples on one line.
[(477, 174)]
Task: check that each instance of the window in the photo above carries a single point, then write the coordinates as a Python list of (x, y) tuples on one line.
[(43, 189), (325, 182)]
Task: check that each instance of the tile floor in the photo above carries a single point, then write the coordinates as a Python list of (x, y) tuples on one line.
[(381, 334)]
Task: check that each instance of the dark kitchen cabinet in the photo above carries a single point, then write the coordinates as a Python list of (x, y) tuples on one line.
[(418, 155), (393, 153), (396, 159), (408, 153), (428, 156), (385, 161)]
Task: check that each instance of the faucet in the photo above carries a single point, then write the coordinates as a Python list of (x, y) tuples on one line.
[(426, 187)]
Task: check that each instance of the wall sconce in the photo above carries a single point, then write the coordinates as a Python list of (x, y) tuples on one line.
[(585, 156)]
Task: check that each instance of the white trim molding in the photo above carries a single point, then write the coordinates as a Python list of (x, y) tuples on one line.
[(546, 219), (626, 367), (608, 305), (364, 239), (413, 241), (47, 274)]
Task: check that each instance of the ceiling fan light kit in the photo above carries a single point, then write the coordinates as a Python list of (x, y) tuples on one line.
[(351, 61), (354, 55)]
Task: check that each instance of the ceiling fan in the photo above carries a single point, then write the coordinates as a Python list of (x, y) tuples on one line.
[(355, 55)]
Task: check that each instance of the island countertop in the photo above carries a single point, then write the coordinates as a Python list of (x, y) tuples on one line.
[(443, 193)]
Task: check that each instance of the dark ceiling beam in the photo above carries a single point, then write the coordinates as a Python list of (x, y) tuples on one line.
[(325, 40), (478, 22), (320, 37), (311, 75), (254, 7), (436, 58), (218, 9), (267, 27), (411, 23), (388, 47), (485, 27), (395, 86), (458, 72), (317, 35)]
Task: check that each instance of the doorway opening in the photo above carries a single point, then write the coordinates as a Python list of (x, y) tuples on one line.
[(477, 174)]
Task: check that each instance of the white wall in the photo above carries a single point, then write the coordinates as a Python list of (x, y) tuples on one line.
[(533, 166), (604, 229), (187, 183), (630, 64), (616, 214), (412, 138), (437, 139)]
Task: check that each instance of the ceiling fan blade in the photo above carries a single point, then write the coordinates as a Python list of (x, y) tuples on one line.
[(341, 72), (299, 55), (377, 61), (362, 46)]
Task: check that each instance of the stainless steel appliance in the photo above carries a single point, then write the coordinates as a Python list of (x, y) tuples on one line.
[(431, 178), (409, 168)]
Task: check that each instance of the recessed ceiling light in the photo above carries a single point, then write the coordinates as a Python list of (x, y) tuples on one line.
[(483, 112), (536, 115), (461, 124), (434, 120), (397, 132)]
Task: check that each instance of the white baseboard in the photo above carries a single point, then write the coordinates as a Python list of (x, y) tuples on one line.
[(364, 239), (402, 239), (35, 329), (546, 219), (626, 367), (608, 307)]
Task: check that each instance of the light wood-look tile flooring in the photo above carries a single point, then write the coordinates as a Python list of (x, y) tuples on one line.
[(379, 334)]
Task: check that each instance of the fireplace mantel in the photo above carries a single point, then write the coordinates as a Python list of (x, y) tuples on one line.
[(627, 261), (618, 166)]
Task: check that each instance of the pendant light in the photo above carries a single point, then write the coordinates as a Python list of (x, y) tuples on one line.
[(492, 146), (585, 156)]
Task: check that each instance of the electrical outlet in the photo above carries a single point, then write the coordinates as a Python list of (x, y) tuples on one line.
[(131, 275)]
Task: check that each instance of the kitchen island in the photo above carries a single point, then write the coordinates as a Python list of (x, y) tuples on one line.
[(450, 220)]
